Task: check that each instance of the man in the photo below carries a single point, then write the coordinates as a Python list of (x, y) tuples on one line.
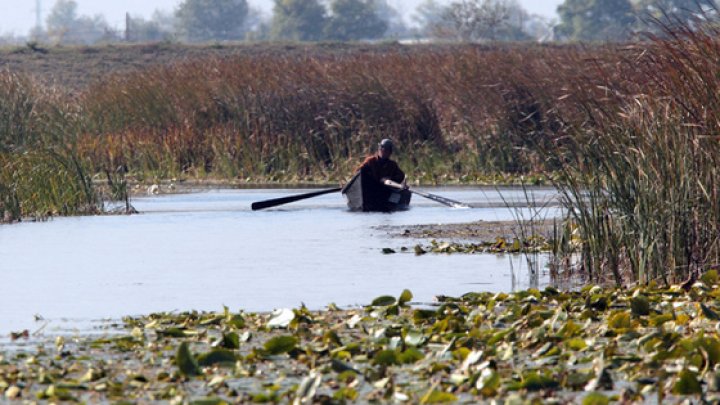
[(381, 168)]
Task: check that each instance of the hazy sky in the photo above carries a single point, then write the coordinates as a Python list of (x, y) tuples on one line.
[(18, 16)]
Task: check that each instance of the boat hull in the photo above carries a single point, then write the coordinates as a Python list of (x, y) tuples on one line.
[(364, 193)]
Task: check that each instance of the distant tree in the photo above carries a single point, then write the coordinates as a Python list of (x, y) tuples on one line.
[(396, 27), (353, 20), (428, 16), (482, 20), (298, 20), (686, 12), (208, 20), (141, 30), (595, 20), (65, 26)]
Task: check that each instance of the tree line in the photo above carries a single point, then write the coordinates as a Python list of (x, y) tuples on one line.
[(203, 21)]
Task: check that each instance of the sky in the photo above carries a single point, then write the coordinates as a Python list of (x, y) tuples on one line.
[(18, 16)]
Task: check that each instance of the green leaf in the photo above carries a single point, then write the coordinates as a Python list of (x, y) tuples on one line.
[(595, 398), (280, 344), (405, 297), (230, 341), (186, 361), (171, 332), (620, 320), (640, 306), (410, 356), (208, 401), (236, 321), (438, 397), (386, 358), (712, 348), (383, 301), (710, 277), (687, 384), (217, 356)]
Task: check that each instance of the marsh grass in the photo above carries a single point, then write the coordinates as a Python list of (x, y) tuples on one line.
[(44, 183), (639, 177)]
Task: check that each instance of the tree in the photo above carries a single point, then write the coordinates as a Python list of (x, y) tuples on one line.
[(428, 15), (478, 20), (141, 30), (207, 20), (65, 26), (589, 20), (686, 12), (354, 20), (396, 27), (298, 20)]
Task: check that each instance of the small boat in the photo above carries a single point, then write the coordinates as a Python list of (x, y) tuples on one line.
[(363, 193)]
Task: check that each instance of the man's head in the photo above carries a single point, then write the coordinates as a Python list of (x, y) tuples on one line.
[(385, 148)]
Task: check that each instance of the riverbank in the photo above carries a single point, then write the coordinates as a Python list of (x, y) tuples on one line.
[(593, 346)]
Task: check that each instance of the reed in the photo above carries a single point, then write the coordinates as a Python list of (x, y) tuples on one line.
[(639, 175), (44, 183), (273, 117)]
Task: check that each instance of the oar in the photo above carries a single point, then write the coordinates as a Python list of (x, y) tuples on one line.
[(284, 200), (434, 197)]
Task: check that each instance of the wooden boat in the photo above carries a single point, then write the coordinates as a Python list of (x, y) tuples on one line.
[(364, 193)]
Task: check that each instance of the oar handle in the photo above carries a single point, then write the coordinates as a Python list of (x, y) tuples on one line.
[(393, 184)]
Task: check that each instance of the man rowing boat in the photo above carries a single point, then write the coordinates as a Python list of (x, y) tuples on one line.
[(379, 184), (381, 168)]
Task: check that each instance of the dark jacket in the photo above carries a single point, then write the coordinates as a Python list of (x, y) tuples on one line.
[(382, 168)]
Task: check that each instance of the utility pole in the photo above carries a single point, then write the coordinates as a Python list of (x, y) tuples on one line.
[(38, 15), (36, 33)]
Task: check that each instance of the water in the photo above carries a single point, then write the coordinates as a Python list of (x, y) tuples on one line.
[(205, 250)]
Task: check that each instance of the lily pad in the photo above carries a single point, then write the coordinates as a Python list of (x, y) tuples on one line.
[(383, 301), (280, 344), (405, 297), (687, 383), (217, 356), (186, 362)]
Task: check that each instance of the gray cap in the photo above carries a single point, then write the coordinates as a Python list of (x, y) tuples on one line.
[(386, 144)]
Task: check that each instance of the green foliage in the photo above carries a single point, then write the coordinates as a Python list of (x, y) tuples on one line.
[(353, 20), (280, 344), (186, 362), (65, 26), (207, 20), (298, 20), (595, 20)]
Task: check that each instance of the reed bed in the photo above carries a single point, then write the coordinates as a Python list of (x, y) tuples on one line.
[(459, 113), (640, 176)]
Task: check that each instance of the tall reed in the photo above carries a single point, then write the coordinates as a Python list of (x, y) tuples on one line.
[(640, 174)]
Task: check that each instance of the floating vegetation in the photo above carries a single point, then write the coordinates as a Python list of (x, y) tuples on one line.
[(535, 244), (590, 346)]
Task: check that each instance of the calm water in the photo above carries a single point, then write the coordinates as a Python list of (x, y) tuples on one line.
[(205, 250)]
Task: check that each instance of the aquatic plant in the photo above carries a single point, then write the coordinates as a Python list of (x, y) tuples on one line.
[(640, 175), (592, 346), (44, 183)]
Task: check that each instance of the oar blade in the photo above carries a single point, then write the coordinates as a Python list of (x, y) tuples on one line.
[(274, 202)]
